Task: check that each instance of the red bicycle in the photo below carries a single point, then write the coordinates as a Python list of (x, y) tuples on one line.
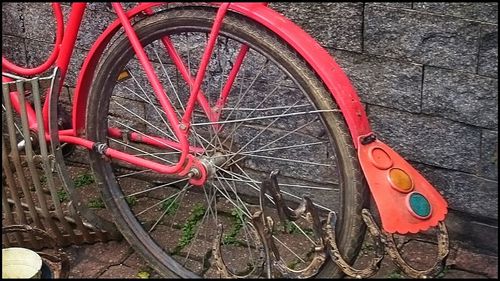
[(187, 109)]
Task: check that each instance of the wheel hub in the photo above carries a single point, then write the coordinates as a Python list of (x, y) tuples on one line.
[(212, 162)]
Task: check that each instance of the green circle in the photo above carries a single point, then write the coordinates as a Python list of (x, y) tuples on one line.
[(420, 205)]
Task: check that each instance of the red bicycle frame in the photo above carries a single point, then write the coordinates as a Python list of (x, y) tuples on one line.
[(318, 59), (62, 53)]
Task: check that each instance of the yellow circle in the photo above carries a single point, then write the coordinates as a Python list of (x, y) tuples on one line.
[(400, 180)]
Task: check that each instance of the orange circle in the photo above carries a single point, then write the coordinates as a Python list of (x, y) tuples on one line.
[(400, 180), (380, 158)]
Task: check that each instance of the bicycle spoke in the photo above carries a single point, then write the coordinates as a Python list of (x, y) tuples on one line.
[(287, 160), (146, 136), (140, 150), (142, 119), (281, 147), (157, 187), (265, 117), (182, 193), (134, 173), (156, 204), (151, 103)]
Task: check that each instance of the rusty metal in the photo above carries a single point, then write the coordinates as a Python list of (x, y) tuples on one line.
[(435, 269), (325, 235), (25, 201), (223, 269), (336, 256)]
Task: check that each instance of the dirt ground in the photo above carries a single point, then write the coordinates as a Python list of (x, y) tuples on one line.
[(117, 259)]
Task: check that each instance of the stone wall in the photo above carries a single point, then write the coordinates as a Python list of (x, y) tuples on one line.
[(426, 72), (428, 75)]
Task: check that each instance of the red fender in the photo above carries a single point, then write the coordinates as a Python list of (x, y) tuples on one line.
[(317, 57), (389, 200)]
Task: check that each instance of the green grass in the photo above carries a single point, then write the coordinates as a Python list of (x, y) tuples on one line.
[(143, 274), (132, 200), (83, 180), (443, 273), (237, 220), (293, 264), (170, 206), (291, 228), (189, 227), (96, 203), (396, 274), (62, 195)]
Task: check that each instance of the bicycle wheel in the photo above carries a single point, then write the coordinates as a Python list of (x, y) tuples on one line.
[(278, 116)]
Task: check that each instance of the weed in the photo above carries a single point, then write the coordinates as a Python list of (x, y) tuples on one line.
[(143, 274), (96, 203), (443, 273), (189, 228), (83, 180), (396, 274), (293, 264), (62, 195), (170, 206), (237, 219), (131, 200), (291, 228)]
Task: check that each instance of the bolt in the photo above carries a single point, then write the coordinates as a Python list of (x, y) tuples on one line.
[(182, 126), (194, 172)]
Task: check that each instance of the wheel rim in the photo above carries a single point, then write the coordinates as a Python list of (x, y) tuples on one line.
[(158, 203)]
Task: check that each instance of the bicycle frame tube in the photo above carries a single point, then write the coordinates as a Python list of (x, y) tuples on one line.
[(63, 53), (349, 104), (320, 61)]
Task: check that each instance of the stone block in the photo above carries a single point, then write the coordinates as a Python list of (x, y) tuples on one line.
[(488, 51), (12, 18), (489, 154), (337, 25), (460, 96), (478, 11), (383, 81), (13, 49), (465, 192), (420, 37), (425, 139)]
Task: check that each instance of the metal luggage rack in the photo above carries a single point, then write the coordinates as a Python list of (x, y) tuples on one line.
[(34, 171)]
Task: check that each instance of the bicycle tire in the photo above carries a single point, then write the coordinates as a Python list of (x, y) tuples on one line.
[(353, 193)]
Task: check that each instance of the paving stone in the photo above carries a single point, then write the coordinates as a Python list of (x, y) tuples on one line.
[(112, 252), (459, 96), (422, 38), (337, 25), (82, 264), (135, 261), (479, 11), (488, 51), (461, 274), (475, 262), (120, 271), (383, 81)]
